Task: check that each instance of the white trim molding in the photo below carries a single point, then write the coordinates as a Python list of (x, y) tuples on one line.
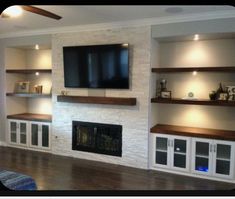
[(128, 23), (3, 143)]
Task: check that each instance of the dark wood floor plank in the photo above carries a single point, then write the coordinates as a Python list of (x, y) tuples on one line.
[(53, 172)]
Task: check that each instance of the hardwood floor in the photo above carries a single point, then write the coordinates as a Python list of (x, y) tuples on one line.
[(52, 172)]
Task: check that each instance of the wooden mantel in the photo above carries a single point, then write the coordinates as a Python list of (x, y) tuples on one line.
[(97, 100)]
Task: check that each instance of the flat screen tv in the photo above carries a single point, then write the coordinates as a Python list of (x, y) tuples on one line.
[(97, 66)]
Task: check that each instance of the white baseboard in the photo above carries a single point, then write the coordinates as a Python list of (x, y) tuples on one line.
[(3, 143)]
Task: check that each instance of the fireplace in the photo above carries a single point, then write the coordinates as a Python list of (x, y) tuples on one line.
[(97, 138)]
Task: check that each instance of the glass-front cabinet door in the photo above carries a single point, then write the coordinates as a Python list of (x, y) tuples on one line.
[(45, 135), (162, 151), (180, 154), (23, 133), (13, 131), (34, 134), (40, 135), (202, 150), (223, 160)]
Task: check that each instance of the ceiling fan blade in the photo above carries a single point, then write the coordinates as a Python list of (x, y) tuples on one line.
[(41, 12)]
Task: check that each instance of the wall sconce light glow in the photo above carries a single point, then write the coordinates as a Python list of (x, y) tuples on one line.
[(37, 47), (196, 37), (37, 73), (13, 11), (194, 73)]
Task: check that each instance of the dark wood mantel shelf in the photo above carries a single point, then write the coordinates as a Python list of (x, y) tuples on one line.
[(28, 71), (97, 100), (194, 132), (31, 117), (191, 69), (194, 102)]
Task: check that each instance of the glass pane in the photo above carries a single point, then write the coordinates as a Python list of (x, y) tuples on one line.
[(13, 137), (13, 126), (223, 151), (34, 131), (161, 143), (202, 148), (22, 138), (180, 146), (45, 135), (23, 127), (202, 164), (180, 160), (161, 157), (222, 167)]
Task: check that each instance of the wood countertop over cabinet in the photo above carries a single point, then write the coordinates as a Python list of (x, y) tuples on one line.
[(194, 132)]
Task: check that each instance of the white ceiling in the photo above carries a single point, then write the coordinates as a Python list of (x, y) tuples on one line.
[(83, 15)]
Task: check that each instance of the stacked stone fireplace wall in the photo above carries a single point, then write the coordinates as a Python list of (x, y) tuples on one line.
[(134, 119)]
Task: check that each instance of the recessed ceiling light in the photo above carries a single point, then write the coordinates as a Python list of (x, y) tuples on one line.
[(13, 11), (196, 37), (174, 10), (194, 73)]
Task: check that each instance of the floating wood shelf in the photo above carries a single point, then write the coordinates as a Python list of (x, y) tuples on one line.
[(33, 95), (31, 117), (194, 132), (191, 69), (97, 100), (28, 71), (194, 102)]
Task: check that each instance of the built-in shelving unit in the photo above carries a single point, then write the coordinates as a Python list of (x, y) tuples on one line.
[(28, 71), (191, 69), (97, 100), (194, 132), (193, 102), (32, 95), (31, 117)]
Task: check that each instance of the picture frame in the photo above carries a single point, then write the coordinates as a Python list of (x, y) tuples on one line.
[(231, 97), (223, 96), (22, 87), (166, 94)]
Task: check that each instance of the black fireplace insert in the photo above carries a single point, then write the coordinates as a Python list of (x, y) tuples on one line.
[(97, 138)]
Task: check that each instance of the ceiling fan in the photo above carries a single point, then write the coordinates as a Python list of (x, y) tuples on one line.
[(35, 10)]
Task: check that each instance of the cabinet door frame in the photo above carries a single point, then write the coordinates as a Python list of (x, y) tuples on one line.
[(9, 131), (49, 135), (187, 156), (19, 132), (230, 143), (210, 157), (168, 151)]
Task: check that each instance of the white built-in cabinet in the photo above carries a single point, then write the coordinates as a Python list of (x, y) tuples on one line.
[(30, 134), (213, 157), (194, 156), (171, 152), (18, 132), (39, 135)]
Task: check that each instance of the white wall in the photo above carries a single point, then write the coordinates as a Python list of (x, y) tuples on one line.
[(134, 119)]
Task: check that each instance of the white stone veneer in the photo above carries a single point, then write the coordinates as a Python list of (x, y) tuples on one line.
[(134, 119)]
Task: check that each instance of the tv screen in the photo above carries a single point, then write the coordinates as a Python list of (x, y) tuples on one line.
[(98, 66)]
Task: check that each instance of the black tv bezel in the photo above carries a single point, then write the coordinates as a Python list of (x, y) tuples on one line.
[(128, 65)]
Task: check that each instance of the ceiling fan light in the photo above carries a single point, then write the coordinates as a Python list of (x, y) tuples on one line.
[(13, 11)]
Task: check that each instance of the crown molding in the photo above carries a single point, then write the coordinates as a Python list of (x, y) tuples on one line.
[(122, 24)]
